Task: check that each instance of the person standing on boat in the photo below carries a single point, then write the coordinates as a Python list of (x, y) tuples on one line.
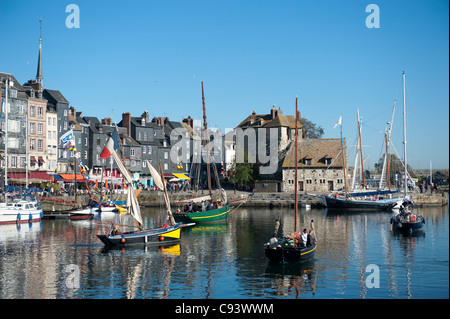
[(310, 241), (304, 237)]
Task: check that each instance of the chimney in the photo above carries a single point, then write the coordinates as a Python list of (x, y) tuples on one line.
[(273, 112), (279, 112), (145, 117), (107, 121), (189, 121), (72, 111), (126, 122), (254, 112)]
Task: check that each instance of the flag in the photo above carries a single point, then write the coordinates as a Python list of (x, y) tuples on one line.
[(68, 139), (111, 145), (339, 122)]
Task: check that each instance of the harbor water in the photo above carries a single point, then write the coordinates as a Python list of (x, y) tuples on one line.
[(358, 256)]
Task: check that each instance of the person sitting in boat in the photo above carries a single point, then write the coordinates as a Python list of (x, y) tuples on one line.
[(115, 230), (296, 237), (273, 241)]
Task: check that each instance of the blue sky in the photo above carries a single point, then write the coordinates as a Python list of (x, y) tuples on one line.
[(152, 55)]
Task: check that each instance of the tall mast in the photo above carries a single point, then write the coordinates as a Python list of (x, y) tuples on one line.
[(360, 150), (207, 143), (296, 163), (404, 137), (6, 135)]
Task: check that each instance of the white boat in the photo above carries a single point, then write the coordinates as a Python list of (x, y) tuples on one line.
[(20, 211)]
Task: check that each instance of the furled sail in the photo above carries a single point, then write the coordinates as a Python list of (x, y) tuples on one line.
[(160, 183), (132, 202)]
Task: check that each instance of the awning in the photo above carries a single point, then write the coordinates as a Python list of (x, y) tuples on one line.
[(33, 159), (17, 177), (181, 176), (41, 160), (70, 178), (39, 176)]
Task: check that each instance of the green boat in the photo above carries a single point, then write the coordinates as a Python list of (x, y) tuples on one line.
[(207, 216)]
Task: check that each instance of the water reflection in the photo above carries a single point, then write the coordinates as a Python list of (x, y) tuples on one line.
[(227, 260)]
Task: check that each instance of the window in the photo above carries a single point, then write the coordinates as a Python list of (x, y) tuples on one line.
[(149, 149), (65, 125), (32, 144), (166, 155), (132, 153), (65, 112), (133, 163), (98, 142), (32, 128), (144, 150), (40, 130), (145, 136), (22, 161), (32, 111), (49, 122), (166, 166), (54, 121), (85, 141), (308, 161), (139, 136), (39, 145), (13, 161)]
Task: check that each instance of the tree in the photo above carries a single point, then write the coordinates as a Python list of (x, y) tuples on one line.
[(395, 167), (242, 173), (310, 129)]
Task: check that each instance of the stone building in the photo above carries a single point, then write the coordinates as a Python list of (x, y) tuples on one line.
[(320, 166)]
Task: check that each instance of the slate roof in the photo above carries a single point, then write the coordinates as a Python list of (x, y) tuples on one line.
[(317, 150)]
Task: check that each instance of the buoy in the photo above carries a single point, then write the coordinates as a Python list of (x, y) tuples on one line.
[(30, 218), (161, 238), (122, 240)]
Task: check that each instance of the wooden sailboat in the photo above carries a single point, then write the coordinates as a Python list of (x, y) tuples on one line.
[(206, 209), (404, 220), (291, 248), (164, 234), (350, 201)]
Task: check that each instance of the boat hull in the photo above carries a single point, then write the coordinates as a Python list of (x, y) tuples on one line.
[(289, 253), (83, 214), (209, 216), (406, 227), (20, 217), (339, 203), (151, 236)]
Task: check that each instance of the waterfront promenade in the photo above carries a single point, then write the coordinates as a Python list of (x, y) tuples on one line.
[(153, 199)]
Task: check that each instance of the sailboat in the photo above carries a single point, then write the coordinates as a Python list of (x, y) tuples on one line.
[(291, 248), (164, 234), (404, 220), (205, 209), (350, 202)]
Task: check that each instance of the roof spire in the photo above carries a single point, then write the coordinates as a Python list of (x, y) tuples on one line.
[(39, 77)]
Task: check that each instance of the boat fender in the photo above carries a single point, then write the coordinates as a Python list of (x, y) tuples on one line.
[(18, 217), (161, 238), (30, 218), (122, 240)]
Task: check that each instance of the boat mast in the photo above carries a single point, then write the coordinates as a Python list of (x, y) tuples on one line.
[(343, 157), (207, 143), (386, 158), (404, 137), (296, 163), (360, 150)]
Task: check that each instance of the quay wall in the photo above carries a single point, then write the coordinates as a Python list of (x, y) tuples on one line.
[(283, 199)]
